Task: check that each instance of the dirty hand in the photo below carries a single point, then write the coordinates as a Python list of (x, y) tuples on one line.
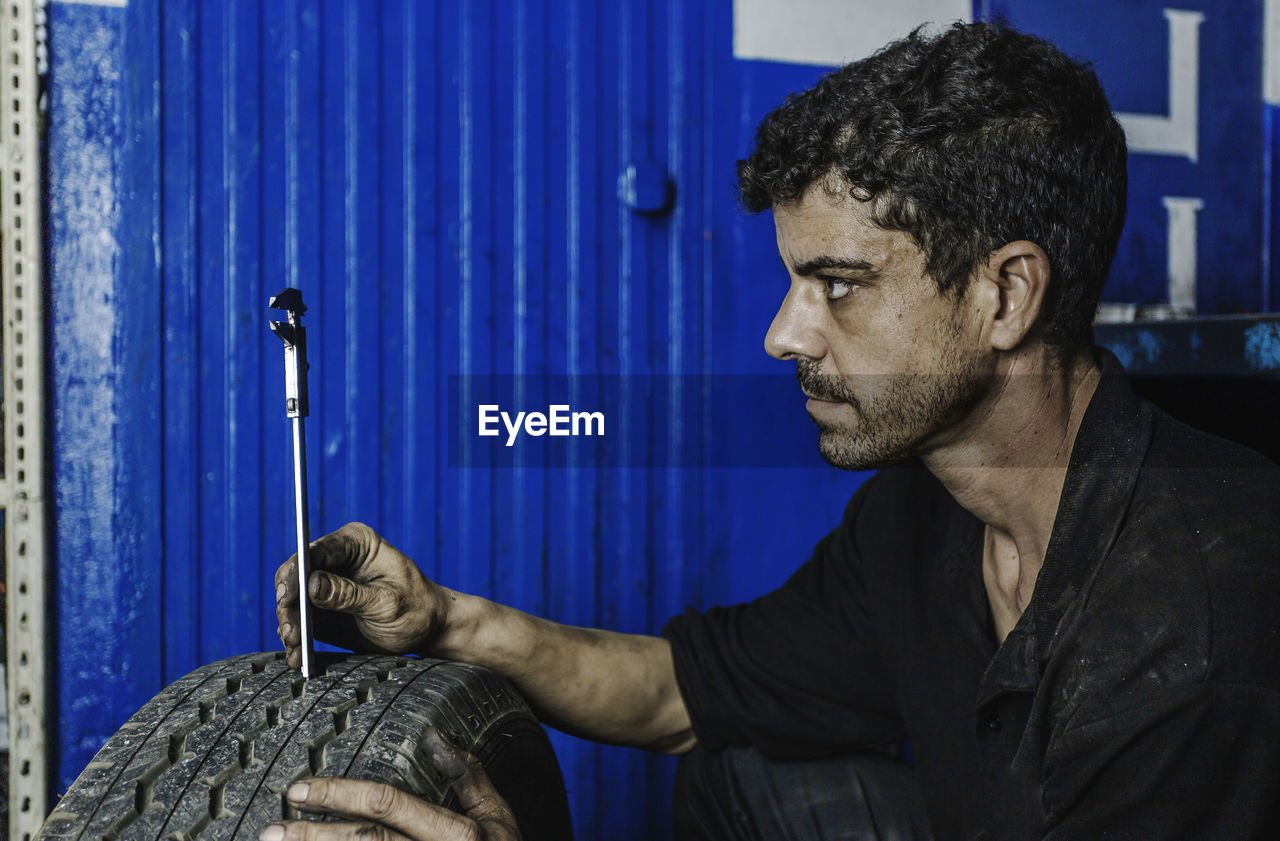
[(368, 596), (384, 812)]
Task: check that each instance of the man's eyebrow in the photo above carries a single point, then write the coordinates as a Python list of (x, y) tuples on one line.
[(817, 264)]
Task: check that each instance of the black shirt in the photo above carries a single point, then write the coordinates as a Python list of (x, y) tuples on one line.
[(1138, 696)]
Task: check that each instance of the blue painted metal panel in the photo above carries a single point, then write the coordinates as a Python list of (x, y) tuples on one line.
[(1270, 219), (178, 282), (106, 380), (1129, 45), (442, 182)]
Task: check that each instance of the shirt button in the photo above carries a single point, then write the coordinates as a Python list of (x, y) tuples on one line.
[(993, 723)]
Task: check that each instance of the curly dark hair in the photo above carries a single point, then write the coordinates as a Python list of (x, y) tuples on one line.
[(967, 140)]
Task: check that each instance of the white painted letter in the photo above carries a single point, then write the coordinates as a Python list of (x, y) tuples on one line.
[(535, 424), (1182, 251), (1271, 52), (1174, 134), (831, 32)]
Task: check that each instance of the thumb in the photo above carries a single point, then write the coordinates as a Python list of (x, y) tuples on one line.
[(334, 592), (476, 794)]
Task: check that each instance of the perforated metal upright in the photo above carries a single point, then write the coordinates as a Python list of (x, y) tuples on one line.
[(22, 490)]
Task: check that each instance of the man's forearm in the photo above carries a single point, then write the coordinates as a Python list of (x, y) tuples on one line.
[(600, 685)]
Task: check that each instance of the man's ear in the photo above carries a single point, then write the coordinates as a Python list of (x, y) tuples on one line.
[(1016, 279)]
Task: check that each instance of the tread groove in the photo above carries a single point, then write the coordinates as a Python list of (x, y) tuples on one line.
[(206, 712), (216, 801)]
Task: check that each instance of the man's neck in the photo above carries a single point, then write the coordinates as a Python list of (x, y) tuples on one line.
[(1007, 466)]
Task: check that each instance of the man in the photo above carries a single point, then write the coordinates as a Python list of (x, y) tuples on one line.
[(1058, 593)]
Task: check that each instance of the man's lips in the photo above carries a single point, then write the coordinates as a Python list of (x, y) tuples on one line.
[(813, 398)]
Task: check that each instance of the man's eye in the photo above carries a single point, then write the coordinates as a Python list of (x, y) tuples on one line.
[(837, 287)]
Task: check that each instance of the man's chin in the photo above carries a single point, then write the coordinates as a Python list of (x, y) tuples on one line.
[(839, 452)]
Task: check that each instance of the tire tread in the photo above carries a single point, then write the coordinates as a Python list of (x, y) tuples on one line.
[(211, 756)]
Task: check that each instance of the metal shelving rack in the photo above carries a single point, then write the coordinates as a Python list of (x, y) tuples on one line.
[(22, 491)]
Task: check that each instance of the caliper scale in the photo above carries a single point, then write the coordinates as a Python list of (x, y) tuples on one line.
[(294, 336)]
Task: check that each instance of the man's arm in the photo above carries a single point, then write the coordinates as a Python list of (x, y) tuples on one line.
[(600, 685)]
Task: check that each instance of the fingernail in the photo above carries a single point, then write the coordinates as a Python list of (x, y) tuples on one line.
[(274, 832), (298, 793), (279, 592), (286, 629)]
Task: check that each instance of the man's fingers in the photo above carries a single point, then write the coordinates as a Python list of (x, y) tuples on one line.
[(333, 592), (287, 612), (478, 798), (344, 550), (449, 761), (288, 619), (287, 579), (315, 831), (287, 600), (393, 814), (383, 804)]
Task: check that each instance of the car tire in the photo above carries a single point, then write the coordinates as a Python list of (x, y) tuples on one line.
[(210, 757)]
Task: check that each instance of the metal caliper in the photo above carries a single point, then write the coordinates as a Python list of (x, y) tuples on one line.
[(294, 336)]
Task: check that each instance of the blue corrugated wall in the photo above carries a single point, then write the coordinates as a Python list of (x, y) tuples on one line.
[(442, 182)]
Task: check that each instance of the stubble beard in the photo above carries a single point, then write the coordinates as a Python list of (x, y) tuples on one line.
[(896, 415)]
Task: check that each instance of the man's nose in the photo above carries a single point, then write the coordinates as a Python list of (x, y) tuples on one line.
[(795, 329)]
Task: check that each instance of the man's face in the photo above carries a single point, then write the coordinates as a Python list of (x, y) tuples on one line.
[(890, 364)]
